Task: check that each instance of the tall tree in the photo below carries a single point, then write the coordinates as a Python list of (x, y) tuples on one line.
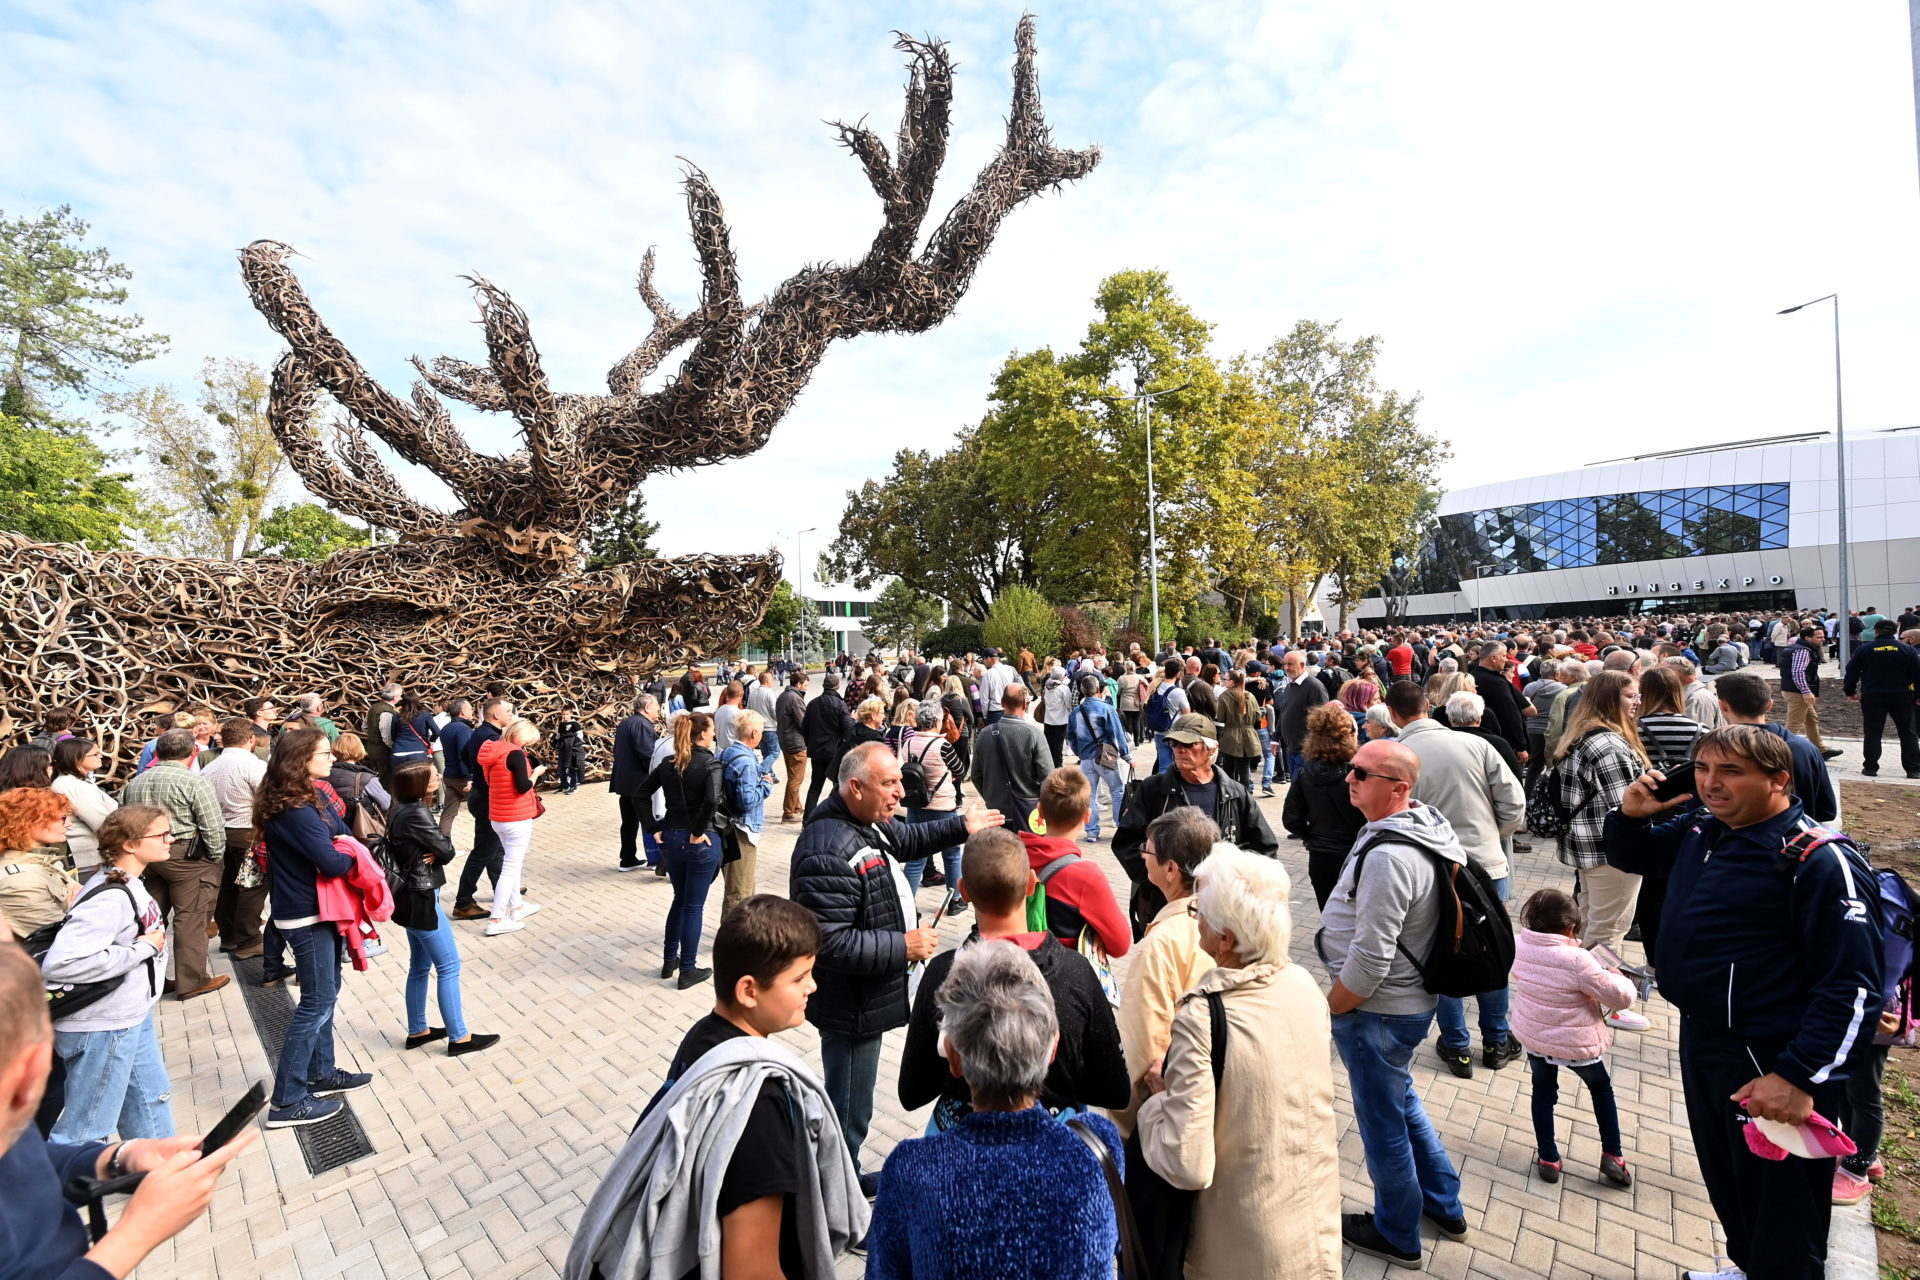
[(56, 488), (625, 535), (217, 460), (307, 531), (901, 617), (61, 327)]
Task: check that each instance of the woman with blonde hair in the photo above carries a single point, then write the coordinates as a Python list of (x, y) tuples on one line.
[(1259, 1145), (1443, 684), (869, 721), (512, 805), (906, 714), (1600, 755), (691, 783)]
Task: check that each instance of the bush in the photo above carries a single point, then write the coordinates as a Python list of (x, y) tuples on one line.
[(1021, 617), (1077, 630), (955, 640)]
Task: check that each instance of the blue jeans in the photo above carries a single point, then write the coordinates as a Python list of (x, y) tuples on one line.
[(1452, 1010), (1295, 764), (1095, 777), (435, 950), (116, 1083), (851, 1067), (949, 857), (1266, 758), (691, 867), (307, 1053), (1409, 1166)]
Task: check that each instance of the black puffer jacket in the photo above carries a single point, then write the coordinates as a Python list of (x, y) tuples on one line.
[(1238, 817), (828, 726), (1319, 810), (418, 850), (841, 873)]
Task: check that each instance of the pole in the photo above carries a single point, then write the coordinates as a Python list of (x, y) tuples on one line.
[(1153, 532), (1840, 474)]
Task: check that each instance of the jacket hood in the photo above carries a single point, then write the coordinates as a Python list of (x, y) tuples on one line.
[(1533, 937), (1046, 847), (1418, 824)]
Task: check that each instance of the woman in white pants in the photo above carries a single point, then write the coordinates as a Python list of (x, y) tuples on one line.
[(512, 805)]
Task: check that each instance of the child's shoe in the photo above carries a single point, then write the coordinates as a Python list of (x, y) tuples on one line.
[(1614, 1169), (1848, 1189), (1876, 1171), (1627, 1020)]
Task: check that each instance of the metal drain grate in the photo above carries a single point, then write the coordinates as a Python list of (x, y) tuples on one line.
[(333, 1142)]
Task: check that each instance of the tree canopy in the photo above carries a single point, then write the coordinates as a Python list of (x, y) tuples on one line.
[(1021, 617), (625, 535), (61, 323), (57, 488), (307, 531), (901, 617)]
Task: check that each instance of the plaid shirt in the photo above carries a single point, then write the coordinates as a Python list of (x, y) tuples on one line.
[(1591, 778), (188, 799)]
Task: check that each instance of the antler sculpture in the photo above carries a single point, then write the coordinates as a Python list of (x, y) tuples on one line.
[(493, 590)]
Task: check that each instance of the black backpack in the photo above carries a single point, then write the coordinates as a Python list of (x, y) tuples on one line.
[(64, 998), (1472, 949)]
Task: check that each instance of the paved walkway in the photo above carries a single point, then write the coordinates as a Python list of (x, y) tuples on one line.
[(483, 1165)]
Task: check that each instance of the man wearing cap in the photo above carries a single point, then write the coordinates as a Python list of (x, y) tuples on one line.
[(994, 679), (1881, 676), (1196, 780)]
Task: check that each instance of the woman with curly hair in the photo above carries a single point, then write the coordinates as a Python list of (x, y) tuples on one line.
[(1318, 809), (35, 888)]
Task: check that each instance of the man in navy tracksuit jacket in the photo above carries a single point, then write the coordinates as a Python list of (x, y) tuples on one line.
[(1774, 963)]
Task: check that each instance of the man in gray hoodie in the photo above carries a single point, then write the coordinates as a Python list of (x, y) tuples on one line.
[(1383, 913)]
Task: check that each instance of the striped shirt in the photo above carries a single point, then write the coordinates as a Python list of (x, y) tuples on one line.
[(1669, 739)]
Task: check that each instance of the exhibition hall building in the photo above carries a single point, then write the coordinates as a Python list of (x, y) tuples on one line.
[(1751, 527)]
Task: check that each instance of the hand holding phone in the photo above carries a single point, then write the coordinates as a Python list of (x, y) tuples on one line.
[(1678, 782)]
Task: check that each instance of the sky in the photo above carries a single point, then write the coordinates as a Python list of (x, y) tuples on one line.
[(1571, 226)]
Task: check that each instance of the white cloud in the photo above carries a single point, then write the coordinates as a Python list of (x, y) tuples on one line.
[(1571, 226)]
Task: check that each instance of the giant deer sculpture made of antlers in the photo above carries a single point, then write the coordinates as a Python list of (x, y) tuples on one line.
[(494, 590)]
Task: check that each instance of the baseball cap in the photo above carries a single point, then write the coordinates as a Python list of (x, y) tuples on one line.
[(1190, 728), (990, 653)]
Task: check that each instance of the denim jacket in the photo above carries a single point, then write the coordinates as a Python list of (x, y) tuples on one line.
[(746, 787)]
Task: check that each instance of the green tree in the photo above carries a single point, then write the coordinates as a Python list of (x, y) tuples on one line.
[(219, 461), (56, 488), (623, 536), (61, 327), (955, 640), (791, 621), (901, 617), (307, 531), (1021, 617)]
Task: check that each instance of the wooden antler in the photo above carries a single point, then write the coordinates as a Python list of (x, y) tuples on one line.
[(585, 453)]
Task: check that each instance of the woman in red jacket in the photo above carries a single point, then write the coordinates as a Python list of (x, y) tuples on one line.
[(512, 805)]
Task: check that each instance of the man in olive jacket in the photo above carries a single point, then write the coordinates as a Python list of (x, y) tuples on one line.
[(846, 870)]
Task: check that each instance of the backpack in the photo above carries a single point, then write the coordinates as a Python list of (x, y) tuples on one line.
[(1158, 718), (916, 790), (1087, 944), (1896, 906), (1472, 949), (63, 998), (1545, 816)]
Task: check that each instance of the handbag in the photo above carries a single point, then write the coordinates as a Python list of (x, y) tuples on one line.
[(1162, 1212), (1132, 1257)]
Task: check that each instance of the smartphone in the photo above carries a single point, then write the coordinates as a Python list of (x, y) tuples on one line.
[(1606, 955), (1679, 783), (236, 1119)]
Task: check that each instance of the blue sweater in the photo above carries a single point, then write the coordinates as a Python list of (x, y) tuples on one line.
[(41, 1236), (1002, 1196), (299, 850)]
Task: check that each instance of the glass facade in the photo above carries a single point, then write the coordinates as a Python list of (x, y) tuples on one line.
[(1620, 528), (1739, 602)]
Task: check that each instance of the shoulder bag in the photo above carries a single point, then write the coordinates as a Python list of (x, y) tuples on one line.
[(1161, 1213)]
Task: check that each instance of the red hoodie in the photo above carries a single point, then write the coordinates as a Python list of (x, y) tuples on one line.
[(1078, 895)]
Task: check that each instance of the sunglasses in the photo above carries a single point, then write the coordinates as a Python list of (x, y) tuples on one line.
[(1361, 774)]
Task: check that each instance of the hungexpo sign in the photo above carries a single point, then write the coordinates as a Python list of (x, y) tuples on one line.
[(1695, 585)]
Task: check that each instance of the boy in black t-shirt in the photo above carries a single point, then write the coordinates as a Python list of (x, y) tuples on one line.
[(763, 959), (570, 751)]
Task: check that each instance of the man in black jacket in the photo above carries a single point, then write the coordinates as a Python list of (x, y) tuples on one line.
[(846, 870), (496, 714), (828, 727), (1881, 676), (1195, 780), (1293, 698), (789, 715), (1770, 949), (633, 744), (1503, 712)]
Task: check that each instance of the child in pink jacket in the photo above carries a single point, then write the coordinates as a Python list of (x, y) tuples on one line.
[(1561, 995)]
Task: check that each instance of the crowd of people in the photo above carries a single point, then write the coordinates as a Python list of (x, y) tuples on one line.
[(1151, 1077)]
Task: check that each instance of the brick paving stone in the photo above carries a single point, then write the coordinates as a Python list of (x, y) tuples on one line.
[(484, 1164)]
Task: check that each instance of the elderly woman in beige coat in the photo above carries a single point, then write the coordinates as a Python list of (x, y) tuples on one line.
[(1261, 1152), (1165, 964)]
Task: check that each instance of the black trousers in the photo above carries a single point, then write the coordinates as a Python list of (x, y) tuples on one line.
[(1775, 1212), (571, 762), (486, 853), (1875, 710), (1056, 742), (632, 808), (825, 774), (1242, 769)]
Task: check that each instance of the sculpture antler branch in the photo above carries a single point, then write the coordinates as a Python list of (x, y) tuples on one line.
[(366, 489)]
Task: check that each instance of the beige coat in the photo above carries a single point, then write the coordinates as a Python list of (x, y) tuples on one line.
[(35, 889), (1162, 967), (1263, 1154)]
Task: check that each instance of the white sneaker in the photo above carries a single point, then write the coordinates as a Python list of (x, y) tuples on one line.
[(497, 927), (526, 909), (1731, 1273), (1628, 1020)]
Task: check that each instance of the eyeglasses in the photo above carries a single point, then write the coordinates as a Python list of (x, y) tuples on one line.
[(1360, 774), (158, 835)]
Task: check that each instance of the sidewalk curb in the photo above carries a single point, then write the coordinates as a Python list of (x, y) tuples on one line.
[(1853, 1250)]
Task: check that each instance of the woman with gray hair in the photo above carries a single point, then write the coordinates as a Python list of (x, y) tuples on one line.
[(1008, 1193), (1259, 1144)]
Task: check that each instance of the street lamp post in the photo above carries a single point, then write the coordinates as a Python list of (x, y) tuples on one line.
[(799, 567), (1142, 399), (1840, 460), (1479, 572)]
